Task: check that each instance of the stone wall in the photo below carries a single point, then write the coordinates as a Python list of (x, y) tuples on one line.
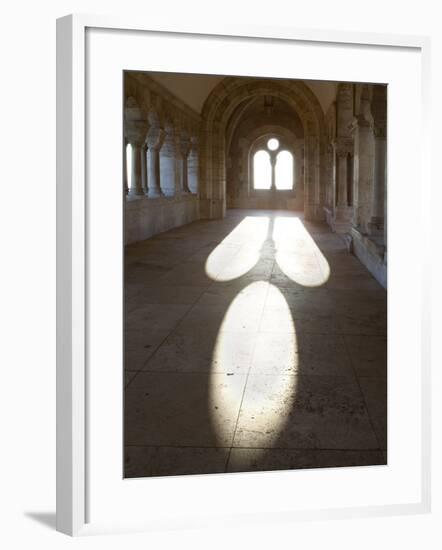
[(147, 217)]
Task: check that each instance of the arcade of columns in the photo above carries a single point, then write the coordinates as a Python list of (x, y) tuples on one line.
[(356, 197)]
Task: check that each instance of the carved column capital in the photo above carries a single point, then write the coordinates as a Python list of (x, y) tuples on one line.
[(360, 122), (380, 130), (343, 147), (185, 146), (136, 132), (155, 138)]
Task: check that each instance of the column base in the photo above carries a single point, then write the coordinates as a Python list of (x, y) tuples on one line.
[(154, 193), (339, 219), (135, 193), (376, 226), (372, 253)]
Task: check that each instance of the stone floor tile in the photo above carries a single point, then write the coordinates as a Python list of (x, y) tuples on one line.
[(159, 294), (323, 354), (173, 461), (128, 377), (211, 352), (355, 281), (250, 460), (293, 319), (300, 353), (182, 409), (375, 394), (369, 324), (185, 274), (224, 294), (140, 273), (368, 354), (304, 412), (156, 316), (144, 338), (275, 353), (230, 318)]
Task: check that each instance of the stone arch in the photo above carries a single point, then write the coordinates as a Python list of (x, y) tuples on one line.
[(217, 110)]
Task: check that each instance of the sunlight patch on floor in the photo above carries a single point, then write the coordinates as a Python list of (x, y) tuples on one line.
[(256, 405), (226, 263), (297, 254)]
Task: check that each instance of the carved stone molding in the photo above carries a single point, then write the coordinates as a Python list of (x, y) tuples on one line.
[(343, 147), (155, 138)]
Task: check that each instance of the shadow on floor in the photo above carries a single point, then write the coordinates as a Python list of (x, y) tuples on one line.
[(47, 519)]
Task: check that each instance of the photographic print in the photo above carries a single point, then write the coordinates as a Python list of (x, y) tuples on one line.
[(255, 274)]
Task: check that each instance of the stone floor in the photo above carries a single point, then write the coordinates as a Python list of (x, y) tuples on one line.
[(256, 342)]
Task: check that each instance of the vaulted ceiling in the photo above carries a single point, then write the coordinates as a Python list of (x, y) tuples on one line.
[(193, 89)]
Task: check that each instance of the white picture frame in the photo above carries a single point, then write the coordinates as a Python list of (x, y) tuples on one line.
[(90, 495)]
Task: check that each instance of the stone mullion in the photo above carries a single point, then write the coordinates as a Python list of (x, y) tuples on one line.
[(273, 164)]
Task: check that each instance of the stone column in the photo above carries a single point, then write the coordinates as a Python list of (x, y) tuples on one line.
[(329, 177), (136, 136), (185, 146), (144, 168), (298, 151), (136, 126), (170, 184), (376, 225), (379, 113), (136, 188), (342, 178), (155, 141), (363, 171), (339, 216), (125, 184), (193, 165)]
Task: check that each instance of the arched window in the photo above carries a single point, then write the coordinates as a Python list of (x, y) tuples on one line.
[(284, 171), (262, 170), (273, 168)]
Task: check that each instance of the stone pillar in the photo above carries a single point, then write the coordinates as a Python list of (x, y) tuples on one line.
[(125, 184), (155, 141), (342, 178), (144, 168), (363, 174), (136, 188), (378, 203), (193, 166), (185, 146), (298, 153), (329, 177), (136, 127), (170, 184), (342, 211), (376, 225)]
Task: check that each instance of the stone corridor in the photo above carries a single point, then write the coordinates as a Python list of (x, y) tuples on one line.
[(253, 342)]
